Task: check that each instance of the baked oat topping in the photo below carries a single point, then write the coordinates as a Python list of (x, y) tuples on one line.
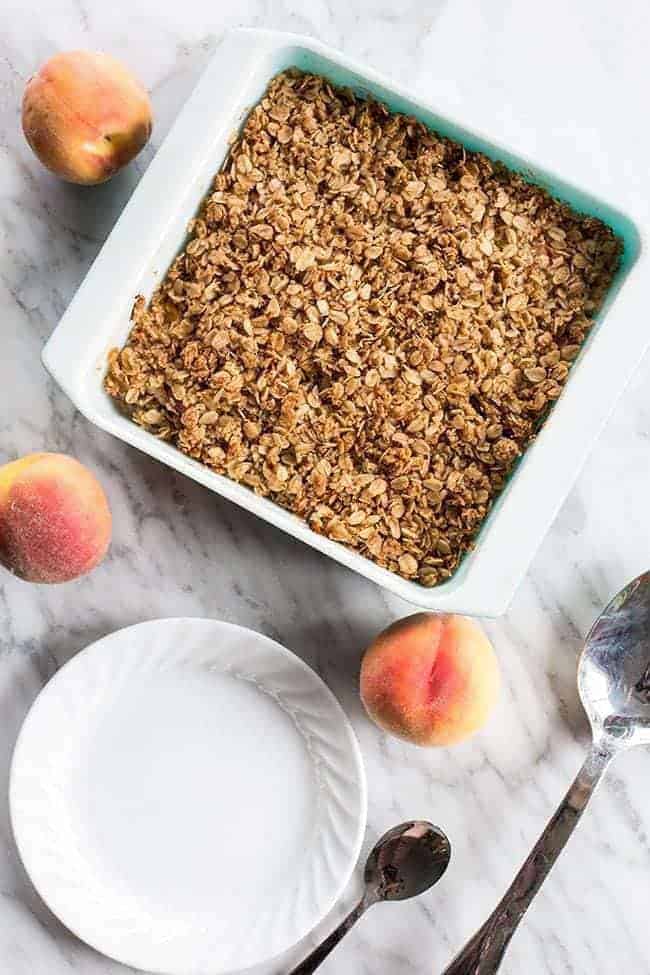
[(367, 325)]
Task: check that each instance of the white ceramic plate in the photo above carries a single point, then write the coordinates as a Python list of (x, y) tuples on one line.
[(188, 797)]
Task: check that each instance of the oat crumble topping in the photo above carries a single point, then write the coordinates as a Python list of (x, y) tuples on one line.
[(367, 324)]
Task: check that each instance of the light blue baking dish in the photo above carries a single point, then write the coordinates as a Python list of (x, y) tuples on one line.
[(152, 229)]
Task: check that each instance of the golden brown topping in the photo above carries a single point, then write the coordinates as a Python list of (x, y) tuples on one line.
[(367, 325)]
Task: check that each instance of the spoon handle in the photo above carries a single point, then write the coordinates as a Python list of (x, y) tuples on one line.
[(320, 953), (482, 955)]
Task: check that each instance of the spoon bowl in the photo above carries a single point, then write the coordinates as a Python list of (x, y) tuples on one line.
[(614, 668), (406, 861)]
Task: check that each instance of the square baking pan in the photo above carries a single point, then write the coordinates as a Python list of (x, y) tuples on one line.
[(152, 230)]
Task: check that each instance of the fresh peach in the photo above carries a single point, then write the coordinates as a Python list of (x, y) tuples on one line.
[(55, 523), (431, 679), (85, 116)]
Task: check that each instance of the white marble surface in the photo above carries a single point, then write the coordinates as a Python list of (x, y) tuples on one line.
[(562, 81)]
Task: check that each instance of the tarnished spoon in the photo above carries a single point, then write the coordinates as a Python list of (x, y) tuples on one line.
[(406, 861), (614, 686)]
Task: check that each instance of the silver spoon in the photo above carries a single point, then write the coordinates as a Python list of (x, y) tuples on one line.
[(406, 861), (614, 686)]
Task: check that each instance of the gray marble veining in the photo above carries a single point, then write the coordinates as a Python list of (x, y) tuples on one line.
[(563, 83)]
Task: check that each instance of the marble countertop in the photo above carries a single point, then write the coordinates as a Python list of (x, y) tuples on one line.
[(562, 82)]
